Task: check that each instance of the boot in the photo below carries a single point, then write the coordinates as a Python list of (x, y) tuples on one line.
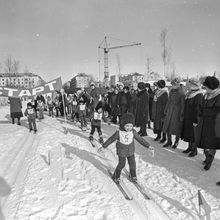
[(218, 183), (91, 138), (187, 150), (175, 145), (164, 138), (210, 159), (116, 176), (206, 157), (101, 140), (158, 137), (168, 144), (193, 153)]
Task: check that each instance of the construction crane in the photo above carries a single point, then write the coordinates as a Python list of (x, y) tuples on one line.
[(104, 46)]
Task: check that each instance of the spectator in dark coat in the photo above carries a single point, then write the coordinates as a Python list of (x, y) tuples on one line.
[(151, 96), (142, 110), (133, 101), (114, 106), (193, 99), (174, 113), (124, 100), (15, 109), (160, 100), (209, 120)]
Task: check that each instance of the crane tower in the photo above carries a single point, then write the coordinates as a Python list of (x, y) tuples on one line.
[(104, 46)]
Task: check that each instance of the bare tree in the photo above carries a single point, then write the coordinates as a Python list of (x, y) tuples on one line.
[(9, 65), (16, 64), (173, 71), (119, 64), (166, 51)]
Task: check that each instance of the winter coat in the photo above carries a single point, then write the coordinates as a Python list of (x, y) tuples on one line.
[(174, 112), (125, 146), (81, 110), (124, 102), (30, 113), (191, 112), (15, 107), (115, 111), (159, 103), (97, 118), (142, 108), (133, 103), (151, 96), (209, 122)]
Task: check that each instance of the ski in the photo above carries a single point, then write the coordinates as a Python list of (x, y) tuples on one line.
[(138, 186), (126, 196), (92, 143)]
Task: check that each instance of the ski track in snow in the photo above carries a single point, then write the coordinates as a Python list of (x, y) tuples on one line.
[(61, 176)]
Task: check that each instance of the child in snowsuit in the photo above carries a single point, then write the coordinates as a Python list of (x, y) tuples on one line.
[(30, 113), (40, 108), (96, 122), (125, 146), (73, 105), (50, 106), (81, 110)]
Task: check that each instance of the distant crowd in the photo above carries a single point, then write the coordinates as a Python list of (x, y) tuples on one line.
[(190, 112)]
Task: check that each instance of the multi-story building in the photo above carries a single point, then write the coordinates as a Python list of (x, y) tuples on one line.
[(20, 80), (81, 80), (132, 79)]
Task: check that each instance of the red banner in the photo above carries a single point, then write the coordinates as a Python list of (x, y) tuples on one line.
[(54, 85)]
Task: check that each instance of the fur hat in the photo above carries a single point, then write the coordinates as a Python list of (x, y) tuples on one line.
[(193, 84), (211, 82), (92, 84), (126, 118), (141, 85), (98, 106), (175, 81), (161, 83)]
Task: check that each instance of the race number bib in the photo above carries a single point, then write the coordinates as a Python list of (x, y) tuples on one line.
[(126, 137), (97, 116), (82, 107), (30, 111)]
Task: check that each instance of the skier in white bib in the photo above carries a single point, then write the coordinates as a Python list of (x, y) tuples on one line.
[(125, 146)]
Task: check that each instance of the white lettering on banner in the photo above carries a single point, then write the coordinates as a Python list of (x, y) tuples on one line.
[(24, 93), (50, 84), (10, 91), (38, 89), (126, 137)]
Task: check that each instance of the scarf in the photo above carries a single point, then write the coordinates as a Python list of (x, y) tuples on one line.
[(160, 92), (192, 93), (212, 94)]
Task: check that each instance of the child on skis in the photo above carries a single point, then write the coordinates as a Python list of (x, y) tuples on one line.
[(96, 122), (73, 105), (40, 108), (50, 106), (125, 146), (31, 115), (81, 110)]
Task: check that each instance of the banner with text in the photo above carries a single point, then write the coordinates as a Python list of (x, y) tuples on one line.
[(54, 85)]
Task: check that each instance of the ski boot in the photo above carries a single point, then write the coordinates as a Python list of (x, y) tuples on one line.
[(116, 180), (133, 178), (91, 138), (101, 141)]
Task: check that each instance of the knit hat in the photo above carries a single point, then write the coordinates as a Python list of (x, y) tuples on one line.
[(126, 118), (29, 104), (175, 81), (211, 82), (161, 83), (141, 85), (92, 84), (98, 106), (147, 85)]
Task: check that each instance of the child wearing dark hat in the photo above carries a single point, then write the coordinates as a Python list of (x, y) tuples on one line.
[(96, 122), (31, 115), (125, 146)]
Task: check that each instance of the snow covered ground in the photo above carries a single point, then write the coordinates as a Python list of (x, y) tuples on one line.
[(53, 175)]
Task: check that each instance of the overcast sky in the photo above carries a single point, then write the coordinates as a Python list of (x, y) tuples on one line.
[(61, 37)]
